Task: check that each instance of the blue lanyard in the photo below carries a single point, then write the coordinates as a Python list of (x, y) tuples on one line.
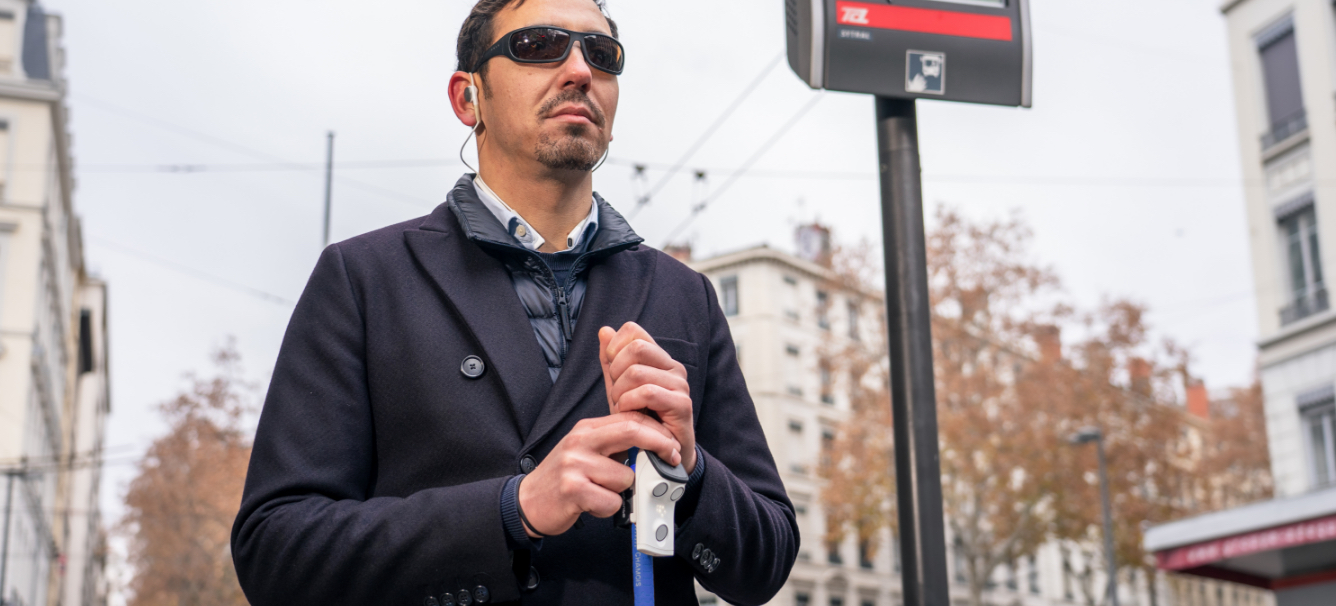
[(642, 565)]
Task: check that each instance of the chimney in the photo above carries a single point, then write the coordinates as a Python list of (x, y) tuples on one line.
[(1199, 403), (681, 252), (1139, 370), (813, 241), (1049, 340)]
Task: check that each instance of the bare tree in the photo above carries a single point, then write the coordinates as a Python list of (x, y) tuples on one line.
[(181, 505)]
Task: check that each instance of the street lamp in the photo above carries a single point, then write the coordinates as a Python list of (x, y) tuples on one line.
[(1085, 436)]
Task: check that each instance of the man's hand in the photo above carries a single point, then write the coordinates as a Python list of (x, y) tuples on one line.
[(580, 474), (641, 376)]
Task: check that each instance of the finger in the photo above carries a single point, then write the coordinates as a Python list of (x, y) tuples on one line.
[(671, 406), (605, 336), (609, 474), (639, 376), (646, 353), (634, 430), (601, 503), (628, 333)]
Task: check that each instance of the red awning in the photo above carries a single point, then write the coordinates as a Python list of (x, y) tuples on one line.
[(1271, 539)]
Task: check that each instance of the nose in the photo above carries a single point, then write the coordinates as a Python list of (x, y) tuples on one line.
[(576, 70)]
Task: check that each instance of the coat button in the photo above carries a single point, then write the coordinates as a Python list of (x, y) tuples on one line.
[(532, 582), (473, 367), (447, 599), (528, 464), (464, 598), (695, 551), (481, 595), (430, 601), (705, 557)]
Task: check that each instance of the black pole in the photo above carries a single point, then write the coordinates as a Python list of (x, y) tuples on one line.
[(329, 181), (1108, 522), (918, 478), (4, 546)]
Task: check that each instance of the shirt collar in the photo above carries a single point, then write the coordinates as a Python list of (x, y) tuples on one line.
[(520, 229)]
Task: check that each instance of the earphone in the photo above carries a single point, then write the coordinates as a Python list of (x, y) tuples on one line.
[(471, 96)]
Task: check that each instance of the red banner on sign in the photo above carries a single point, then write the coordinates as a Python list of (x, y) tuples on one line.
[(928, 21), (1271, 539)]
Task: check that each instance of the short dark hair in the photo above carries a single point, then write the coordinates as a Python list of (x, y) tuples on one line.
[(475, 36)]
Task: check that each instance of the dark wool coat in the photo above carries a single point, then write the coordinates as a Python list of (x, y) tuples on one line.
[(378, 465)]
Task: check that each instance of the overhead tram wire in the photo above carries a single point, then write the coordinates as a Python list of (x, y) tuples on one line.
[(242, 149), (709, 132), (779, 134), (207, 277)]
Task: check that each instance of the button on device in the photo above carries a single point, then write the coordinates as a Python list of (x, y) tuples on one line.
[(528, 464), (661, 532), (481, 595), (695, 551), (677, 494), (430, 601), (660, 489), (447, 599), (532, 583), (473, 367), (464, 598)]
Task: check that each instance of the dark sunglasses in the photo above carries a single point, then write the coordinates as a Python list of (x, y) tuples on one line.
[(545, 44)]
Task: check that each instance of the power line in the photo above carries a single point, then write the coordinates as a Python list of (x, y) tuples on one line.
[(699, 208), (709, 132), (207, 277), (241, 149)]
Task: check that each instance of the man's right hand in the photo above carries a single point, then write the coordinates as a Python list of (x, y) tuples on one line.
[(580, 474)]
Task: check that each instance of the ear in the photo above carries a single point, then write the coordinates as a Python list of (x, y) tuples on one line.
[(465, 109)]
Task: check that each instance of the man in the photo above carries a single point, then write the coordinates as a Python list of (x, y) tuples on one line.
[(436, 431)]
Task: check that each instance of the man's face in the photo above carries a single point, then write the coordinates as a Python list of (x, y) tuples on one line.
[(559, 114)]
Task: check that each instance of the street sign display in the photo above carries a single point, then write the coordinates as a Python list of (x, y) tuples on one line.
[(976, 51)]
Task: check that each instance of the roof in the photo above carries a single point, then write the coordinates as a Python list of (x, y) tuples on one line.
[(1240, 520)]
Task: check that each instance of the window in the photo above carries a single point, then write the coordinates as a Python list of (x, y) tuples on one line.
[(1318, 408), (9, 42), (1303, 266), (822, 307), (865, 554), (85, 341), (836, 601), (827, 382), (833, 554), (867, 602), (802, 599), (958, 560), (1280, 75), (827, 445), (853, 320), (792, 349), (796, 427), (729, 286), (1034, 576), (790, 280), (1012, 583)]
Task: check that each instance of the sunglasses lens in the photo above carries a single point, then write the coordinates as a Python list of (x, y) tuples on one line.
[(604, 53), (539, 44)]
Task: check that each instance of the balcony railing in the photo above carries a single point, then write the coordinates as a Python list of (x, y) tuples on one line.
[(1315, 302), (1284, 129)]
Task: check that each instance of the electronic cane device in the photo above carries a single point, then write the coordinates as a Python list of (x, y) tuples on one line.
[(648, 507)]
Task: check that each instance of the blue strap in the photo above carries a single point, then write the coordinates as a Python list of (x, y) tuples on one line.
[(642, 566)]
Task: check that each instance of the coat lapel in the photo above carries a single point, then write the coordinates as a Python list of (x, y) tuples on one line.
[(616, 293), (478, 288)]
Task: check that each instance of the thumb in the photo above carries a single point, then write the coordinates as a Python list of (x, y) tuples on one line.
[(605, 336)]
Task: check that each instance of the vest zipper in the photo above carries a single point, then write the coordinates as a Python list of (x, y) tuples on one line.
[(564, 314)]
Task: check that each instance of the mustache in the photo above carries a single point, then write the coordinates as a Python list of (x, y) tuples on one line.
[(571, 96)]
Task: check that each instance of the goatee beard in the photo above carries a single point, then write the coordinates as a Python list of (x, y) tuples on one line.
[(570, 152)]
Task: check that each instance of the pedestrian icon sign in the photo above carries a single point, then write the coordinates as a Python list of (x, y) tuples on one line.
[(925, 73)]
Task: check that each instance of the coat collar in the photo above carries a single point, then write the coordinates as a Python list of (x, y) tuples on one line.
[(448, 245)]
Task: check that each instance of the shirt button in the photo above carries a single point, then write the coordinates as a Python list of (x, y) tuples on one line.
[(464, 598), (528, 463), (521, 231), (473, 367), (533, 580), (481, 595), (695, 551)]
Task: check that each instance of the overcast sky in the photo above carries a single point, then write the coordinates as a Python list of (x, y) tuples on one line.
[(1127, 167)]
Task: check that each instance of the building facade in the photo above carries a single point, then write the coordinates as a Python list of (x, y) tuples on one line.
[(785, 312), (53, 339), (1283, 59)]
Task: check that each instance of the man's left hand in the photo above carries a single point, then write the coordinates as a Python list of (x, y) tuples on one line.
[(640, 375)]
